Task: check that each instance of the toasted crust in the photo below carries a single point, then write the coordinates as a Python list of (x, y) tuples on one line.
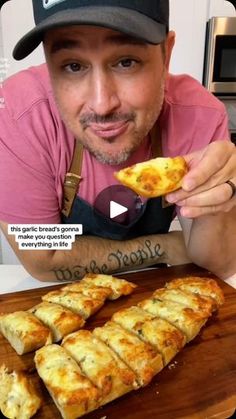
[(74, 301), (118, 286), (90, 290), (24, 331), (18, 397), (154, 177), (167, 339), (73, 393), (138, 355), (100, 364), (199, 303), (59, 319), (187, 320), (207, 287), (131, 317)]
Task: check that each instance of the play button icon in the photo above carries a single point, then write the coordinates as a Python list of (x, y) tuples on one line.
[(116, 209), (118, 204)]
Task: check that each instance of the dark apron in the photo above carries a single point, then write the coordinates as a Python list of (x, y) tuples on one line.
[(152, 219)]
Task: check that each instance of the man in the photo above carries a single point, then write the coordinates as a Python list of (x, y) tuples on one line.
[(109, 90)]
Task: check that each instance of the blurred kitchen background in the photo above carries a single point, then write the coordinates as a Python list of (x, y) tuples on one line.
[(193, 23)]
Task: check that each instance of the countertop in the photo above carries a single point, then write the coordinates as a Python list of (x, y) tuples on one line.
[(15, 278)]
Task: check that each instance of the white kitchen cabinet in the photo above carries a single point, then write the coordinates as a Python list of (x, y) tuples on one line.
[(221, 8)]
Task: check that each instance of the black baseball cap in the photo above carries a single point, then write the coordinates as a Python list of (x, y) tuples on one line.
[(147, 20)]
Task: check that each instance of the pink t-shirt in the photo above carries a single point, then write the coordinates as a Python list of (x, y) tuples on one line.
[(36, 148)]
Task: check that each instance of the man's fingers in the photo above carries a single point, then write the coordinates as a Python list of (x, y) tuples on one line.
[(206, 163), (227, 172), (215, 196), (194, 212)]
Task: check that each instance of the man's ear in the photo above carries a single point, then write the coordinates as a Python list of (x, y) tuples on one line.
[(169, 45)]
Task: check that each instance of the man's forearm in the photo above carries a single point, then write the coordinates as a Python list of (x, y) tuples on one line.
[(97, 255), (212, 243)]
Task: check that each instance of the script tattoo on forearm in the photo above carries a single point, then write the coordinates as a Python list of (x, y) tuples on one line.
[(77, 272), (117, 261), (138, 257)]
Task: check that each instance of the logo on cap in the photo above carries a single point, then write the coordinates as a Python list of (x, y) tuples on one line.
[(50, 3)]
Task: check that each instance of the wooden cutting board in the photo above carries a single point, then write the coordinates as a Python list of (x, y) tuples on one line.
[(199, 383)]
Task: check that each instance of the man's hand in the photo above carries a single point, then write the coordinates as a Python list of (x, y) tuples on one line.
[(204, 189)]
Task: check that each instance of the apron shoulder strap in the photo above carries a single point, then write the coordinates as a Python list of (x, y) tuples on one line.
[(155, 135), (156, 142), (72, 180)]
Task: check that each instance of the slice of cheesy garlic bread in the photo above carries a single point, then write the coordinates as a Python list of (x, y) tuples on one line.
[(188, 299), (59, 319), (73, 393), (24, 331), (154, 177), (198, 285), (90, 290), (118, 286), (18, 396), (166, 338), (74, 301), (184, 318), (100, 364), (141, 357)]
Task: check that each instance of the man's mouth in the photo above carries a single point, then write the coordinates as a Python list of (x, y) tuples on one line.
[(109, 130)]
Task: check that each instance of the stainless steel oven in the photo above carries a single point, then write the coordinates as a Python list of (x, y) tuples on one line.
[(220, 56)]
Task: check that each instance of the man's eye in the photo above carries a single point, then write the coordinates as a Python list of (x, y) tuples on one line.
[(73, 67), (127, 63)]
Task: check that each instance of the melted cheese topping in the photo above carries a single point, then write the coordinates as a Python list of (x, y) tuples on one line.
[(187, 320), (154, 177), (21, 323), (139, 356), (89, 290), (118, 286), (131, 317), (24, 331), (194, 301), (166, 338), (18, 398), (61, 320), (79, 303), (63, 377), (204, 286), (100, 364)]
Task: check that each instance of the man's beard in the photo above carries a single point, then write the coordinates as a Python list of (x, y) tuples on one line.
[(100, 155), (137, 137), (121, 156)]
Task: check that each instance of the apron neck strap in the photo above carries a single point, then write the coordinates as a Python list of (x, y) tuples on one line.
[(155, 135), (72, 179)]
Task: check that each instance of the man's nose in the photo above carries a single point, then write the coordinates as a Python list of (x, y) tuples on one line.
[(103, 94)]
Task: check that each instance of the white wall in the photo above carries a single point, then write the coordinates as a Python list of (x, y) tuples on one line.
[(17, 19)]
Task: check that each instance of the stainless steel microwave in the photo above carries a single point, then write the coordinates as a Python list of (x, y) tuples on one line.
[(219, 75)]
